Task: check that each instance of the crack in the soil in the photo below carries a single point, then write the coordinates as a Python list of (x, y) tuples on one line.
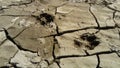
[(87, 55), (112, 8), (98, 59), (86, 52), (13, 64), (16, 15), (13, 37), (2, 9), (86, 28), (114, 48), (56, 59), (12, 40), (97, 53), (22, 3), (3, 42), (114, 14), (53, 53), (96, 20)]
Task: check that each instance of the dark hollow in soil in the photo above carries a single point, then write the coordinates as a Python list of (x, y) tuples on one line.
[(46, 18)]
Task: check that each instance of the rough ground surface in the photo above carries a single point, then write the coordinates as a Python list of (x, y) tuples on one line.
[(59, 34)]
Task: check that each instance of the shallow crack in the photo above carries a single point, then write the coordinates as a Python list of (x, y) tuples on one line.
[(19, 33), (22, 3), (107, 5), (3, 42), (13, 65), (2, 9), (114, 14), (115, 48), (15, 15), (13, 37), (12, 40), (98, 25)]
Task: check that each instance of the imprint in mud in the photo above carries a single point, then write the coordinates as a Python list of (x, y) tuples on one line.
[(77, 42), (90, 41), (46, 18)]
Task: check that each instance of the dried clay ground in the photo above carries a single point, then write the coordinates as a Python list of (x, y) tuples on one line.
[(59, 34)]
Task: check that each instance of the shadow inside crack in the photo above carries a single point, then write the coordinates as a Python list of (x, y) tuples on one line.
[(74, 56), (98, 59), (85, 28), (12, 40)]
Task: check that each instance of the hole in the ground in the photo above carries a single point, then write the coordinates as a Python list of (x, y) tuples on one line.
[(46, 18)]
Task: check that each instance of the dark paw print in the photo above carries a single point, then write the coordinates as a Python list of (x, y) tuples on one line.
[(91, 39), (46, 18)]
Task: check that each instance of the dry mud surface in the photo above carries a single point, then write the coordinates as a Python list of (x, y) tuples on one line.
[(59, 34)]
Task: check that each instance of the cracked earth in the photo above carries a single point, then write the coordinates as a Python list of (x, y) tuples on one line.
[(59, 34)]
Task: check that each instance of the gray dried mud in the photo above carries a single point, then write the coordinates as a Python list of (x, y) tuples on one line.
[(59, 34)]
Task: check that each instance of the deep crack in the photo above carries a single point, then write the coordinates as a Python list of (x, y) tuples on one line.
[(73, 56), (98, 59), (53, 53), (86, 28), (12, 40)]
